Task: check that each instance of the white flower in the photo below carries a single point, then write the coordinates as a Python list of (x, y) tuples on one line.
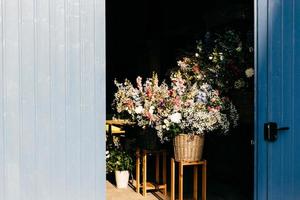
[(249, 72), (139, 109), (175, 118), (197, 55), (166, 122), (210, 57), (151, 109)]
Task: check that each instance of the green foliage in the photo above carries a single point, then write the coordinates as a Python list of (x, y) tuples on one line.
[(174, 130), (118, 160)]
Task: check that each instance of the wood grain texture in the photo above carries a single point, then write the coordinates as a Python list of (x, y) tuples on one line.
[(172, 179)]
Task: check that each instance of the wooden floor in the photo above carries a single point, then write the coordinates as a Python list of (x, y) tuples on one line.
[(112, 193)]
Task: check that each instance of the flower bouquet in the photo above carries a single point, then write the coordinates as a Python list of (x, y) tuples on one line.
[(189, 112), (193, 109), (140, 104)]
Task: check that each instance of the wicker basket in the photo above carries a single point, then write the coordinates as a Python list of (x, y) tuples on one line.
[(188, 147)]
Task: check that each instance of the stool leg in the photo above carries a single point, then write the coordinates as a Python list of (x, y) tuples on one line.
[(157, 168), (144, 173), (195, 195), (204, 181), (180, 173), (137, 170), (165, 172), (172, 179)]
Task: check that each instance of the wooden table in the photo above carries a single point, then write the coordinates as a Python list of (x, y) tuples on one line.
[(114, 126), (180, 175)]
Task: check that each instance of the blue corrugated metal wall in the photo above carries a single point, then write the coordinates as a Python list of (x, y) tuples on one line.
[(52, 73)]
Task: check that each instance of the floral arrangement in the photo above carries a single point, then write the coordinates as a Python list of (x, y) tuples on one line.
[(194, 109), (118, 160), (180, 108), (194, 102), (141, 104), (223, 61)]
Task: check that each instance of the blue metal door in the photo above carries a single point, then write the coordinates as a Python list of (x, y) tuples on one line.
[(278, 93)]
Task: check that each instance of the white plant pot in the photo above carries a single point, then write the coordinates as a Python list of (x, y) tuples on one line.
[(122, 178)]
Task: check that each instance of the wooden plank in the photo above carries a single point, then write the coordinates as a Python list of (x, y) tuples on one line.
[(137, 170), (195, 185), (165, 167), (118, 122), (114, 130), (157, 167), (180, 184), (144, 173), (204, 181), (165, 171), (172, 179), (186, 163), (154, 186)]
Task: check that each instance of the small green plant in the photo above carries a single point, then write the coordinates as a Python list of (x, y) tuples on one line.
[(118, 160)]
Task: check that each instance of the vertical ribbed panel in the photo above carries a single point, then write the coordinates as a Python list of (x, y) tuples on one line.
[(296, 96), (279, 175), (52, 105)]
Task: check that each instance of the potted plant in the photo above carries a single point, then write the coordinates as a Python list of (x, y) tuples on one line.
[(119, 162), (191, 111)]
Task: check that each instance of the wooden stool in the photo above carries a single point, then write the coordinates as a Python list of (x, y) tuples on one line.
[(180, 174), (148, 185)]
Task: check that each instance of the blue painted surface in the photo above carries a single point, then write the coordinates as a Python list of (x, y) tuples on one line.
[(52, 99), (278, 47)]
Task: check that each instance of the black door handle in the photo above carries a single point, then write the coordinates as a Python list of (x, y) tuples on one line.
[(271, 131), (283, 129)]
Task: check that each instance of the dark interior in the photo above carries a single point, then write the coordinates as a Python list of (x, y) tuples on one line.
[(144, 36)]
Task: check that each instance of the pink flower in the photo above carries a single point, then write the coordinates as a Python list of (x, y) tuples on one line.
[(196, 69), (149, 93), (209, 108), (129, 104)]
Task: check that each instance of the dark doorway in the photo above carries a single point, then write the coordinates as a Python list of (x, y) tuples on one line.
[(145, 36)]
